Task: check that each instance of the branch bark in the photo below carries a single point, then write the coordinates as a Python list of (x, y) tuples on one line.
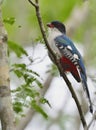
[(58, 64), (6, 111)]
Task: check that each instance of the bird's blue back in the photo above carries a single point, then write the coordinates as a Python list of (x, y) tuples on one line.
[(63, 40)]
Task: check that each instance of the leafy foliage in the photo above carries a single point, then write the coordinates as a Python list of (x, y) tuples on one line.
[(27, 94), (9, 21), (38, 108), (16, 48)]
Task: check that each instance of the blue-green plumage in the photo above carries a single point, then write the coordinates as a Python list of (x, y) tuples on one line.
[(64, 41), (70, 58)]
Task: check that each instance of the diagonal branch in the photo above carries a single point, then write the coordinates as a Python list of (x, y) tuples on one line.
[(36, 5), (59, 66)]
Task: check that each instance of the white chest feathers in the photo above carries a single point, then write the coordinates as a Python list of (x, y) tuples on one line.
[(53, 33)]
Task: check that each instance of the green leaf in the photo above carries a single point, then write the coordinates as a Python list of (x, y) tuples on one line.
[(10, 20), (39, 83), (31, 92), (19, 50), (18, 107), (23, 66), (44, 100), (33, 72), (18, 73), (18, 89), (38, 109), (29, 80)]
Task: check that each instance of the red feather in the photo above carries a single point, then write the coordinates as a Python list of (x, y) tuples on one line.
[(68, 66)]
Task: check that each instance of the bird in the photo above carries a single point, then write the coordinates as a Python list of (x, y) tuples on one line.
[(69, 56)]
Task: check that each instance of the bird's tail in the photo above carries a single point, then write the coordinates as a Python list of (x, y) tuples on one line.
[(85, 86)]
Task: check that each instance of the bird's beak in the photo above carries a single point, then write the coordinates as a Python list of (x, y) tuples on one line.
[(50, 25)]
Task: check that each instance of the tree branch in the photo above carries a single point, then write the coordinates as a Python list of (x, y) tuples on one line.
[(32, 3), (59, 66), (36, 5), (6, 111)]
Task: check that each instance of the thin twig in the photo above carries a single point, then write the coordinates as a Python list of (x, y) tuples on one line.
[(59, 66), (32, 3)]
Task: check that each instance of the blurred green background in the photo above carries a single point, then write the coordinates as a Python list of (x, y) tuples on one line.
[(25, 28)]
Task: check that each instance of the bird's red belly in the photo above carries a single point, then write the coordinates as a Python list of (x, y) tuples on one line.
[(68, 66)]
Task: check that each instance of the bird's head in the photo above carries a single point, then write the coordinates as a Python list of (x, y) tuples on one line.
[(56, 25)]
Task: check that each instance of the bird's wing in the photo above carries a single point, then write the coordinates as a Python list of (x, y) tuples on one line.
[(65, 45)]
